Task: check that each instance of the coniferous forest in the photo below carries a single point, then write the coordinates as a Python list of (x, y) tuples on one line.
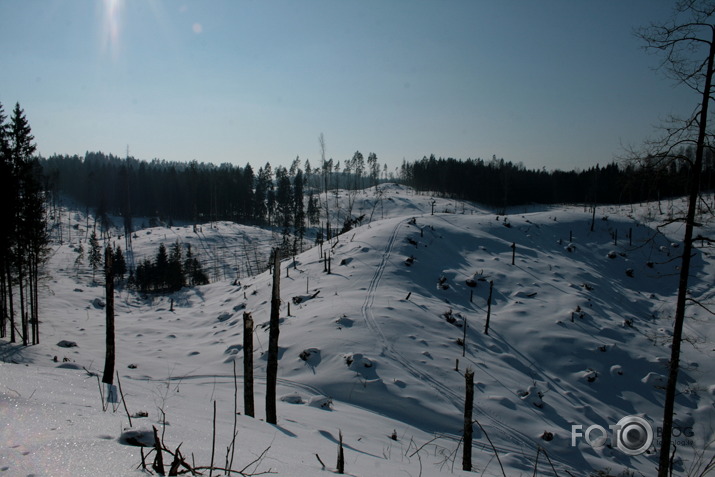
[(290, 197), (24, 234)]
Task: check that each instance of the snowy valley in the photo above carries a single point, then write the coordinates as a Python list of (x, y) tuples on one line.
[(579, 333)]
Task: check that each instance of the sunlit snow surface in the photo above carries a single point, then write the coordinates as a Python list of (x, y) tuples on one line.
[(378, 344)]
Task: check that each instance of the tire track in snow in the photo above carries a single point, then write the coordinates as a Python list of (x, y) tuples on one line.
[(499, 426)]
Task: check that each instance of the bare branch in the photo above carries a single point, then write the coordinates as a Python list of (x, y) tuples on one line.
[(701, 305)]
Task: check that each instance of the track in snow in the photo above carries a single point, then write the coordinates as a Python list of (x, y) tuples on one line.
[(521, 443)]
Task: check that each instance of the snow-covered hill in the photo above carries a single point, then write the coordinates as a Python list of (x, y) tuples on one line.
[(579, 335)]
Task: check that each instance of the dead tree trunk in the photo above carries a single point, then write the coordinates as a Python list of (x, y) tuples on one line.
[(248, 407), (341, 454), (489, 307), (468, 406), (272, 366), (11, 300), (108, 376)]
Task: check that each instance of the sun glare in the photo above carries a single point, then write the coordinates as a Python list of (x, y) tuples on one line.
[(112, 16)]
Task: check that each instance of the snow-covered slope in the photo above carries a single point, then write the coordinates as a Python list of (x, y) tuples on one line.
[(579, 332)]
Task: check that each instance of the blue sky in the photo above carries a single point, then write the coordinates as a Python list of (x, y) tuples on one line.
[(560, 84)]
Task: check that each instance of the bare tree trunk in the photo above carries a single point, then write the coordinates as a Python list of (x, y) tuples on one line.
[(489, 307), (108, 376), (272, 366), (23, 314), (3, 306), (248, 406), (468, 406), (36, 321), (693, 192), (10, 300)]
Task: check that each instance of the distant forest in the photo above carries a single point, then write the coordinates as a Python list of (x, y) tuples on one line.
[(290, 197), (165, 192), (500, 184)]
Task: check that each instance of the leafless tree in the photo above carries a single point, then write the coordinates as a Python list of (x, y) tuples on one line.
[(687, 44), (272, 366)]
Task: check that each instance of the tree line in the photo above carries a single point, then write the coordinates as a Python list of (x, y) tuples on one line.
[(296, 197), (288, 198), (501, 183), (23, 235)]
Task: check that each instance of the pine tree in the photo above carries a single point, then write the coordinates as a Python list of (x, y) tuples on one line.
[(119, 265), (374, 168), (8, 236), (313, 209), (145, 275), (29, 223), (175, 276), (298, 210), (260, 196), (284, 206), (161, 268)]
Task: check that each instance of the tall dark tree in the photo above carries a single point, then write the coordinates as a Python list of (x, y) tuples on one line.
[(374, 168), (313, 209), (192, 268), (284, 206), (358, 169), (24, 236), (109, 357), (298, 210), (175, 270), (8, 216), (119, 264), (161, 267), (274, 331), (688, 44), (264, 184)]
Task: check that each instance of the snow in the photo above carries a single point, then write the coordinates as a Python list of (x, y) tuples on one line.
[(573, 340)]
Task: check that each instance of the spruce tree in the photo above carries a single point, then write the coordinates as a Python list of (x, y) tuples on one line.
[(8, 216), (175, 275), (28, 223), (119, 264), (161, 268)]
